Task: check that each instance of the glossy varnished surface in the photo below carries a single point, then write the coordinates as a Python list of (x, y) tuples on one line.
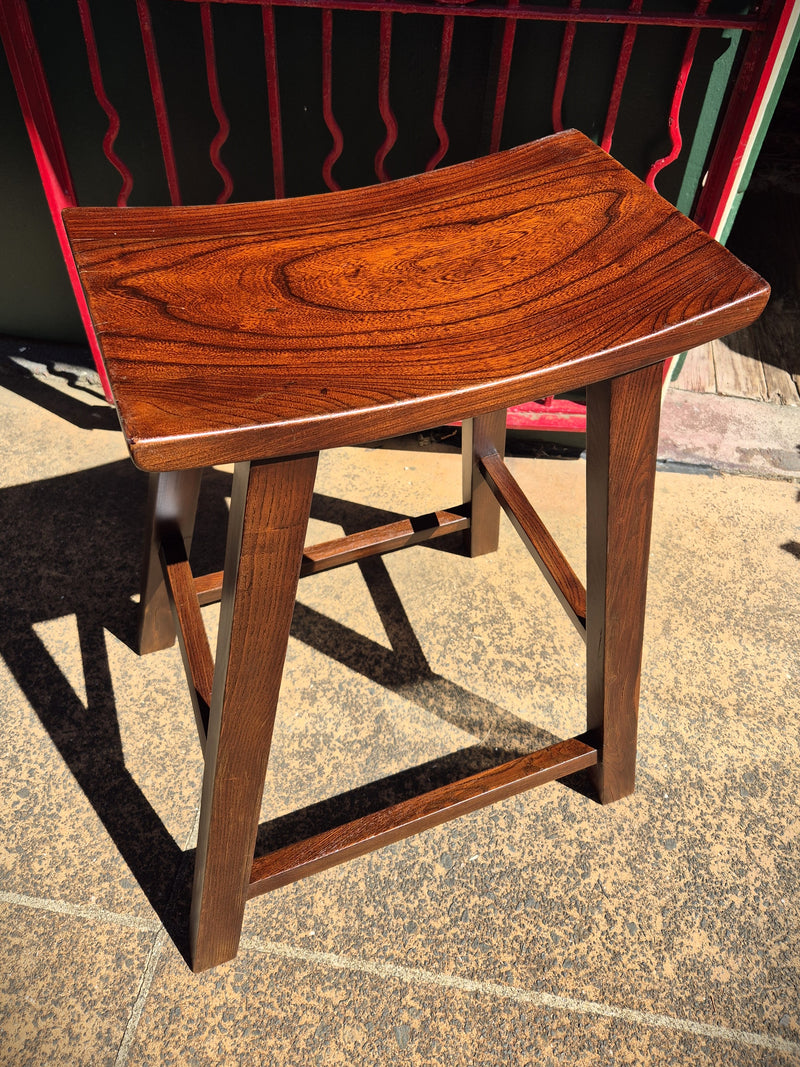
[(253, 330)]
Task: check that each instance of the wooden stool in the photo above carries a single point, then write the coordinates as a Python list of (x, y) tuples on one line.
[(259, 334)]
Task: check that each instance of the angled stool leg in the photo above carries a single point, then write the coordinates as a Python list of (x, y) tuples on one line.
[(622, 439), (481, 436), (171, 504), (270, 506)]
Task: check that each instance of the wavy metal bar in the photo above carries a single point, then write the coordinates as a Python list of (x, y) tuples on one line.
[(619, 79), (224, 125), (159, 100), (563, 68), (327, 104), (273, 95), (384, 104), (441, 89), (677, 99), (105, 104), (501, 92)]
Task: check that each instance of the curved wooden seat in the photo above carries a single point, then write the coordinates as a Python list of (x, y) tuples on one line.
[(232, 333), (261, 333)]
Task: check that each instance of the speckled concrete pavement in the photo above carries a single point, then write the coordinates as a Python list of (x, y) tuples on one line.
[(544, 930)]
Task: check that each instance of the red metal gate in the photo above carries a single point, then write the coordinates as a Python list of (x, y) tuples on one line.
[(759, 30)]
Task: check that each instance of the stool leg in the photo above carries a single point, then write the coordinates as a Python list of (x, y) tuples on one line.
[(270, 506), (480, 436), (622, 439), (171, 503)]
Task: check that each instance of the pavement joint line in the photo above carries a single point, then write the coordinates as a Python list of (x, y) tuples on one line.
[(420, 976), (381, 969), (95, 914), (80, 911), (148, 974)]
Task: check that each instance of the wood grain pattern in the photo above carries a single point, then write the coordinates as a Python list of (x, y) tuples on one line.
[(252, 333), (697, 373), (382, 539), (419, 813), (782, 388), (621, 446), (270, 504), (235, 332), (737, 374)]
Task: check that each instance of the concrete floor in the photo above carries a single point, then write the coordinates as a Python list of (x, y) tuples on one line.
[(544, 930)]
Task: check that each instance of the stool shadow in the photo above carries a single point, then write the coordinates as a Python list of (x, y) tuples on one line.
[(70, 548), (402, 668)]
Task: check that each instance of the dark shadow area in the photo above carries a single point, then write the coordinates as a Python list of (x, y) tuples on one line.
[(30, 384), (72, 549), (766, 234), (402, 669)]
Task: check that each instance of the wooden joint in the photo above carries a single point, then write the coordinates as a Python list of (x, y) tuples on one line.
[(192, 637), (536, 537), (382, 539), (343, 550), (409, 817), (208, 588)]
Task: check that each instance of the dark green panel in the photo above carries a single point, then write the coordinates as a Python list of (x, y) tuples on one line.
[(35, 295)]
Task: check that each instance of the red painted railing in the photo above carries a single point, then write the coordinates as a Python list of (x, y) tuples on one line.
[(502, 21)]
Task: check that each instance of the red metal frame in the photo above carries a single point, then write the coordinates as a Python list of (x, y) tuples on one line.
[(620, 75), (764, 26), (159, 100), (48, 149), (677, 100), (441, 89), (737, 130)]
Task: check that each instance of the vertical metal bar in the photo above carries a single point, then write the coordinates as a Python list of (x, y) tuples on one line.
[(384, 103), (677, 99), (327, 101), (273, 94), (34, 97), (441, 90), (105, 104), (216, 103), (159, 100), (763, 61), (619, 79), (501, 92), (563, 69), (36, 104)]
